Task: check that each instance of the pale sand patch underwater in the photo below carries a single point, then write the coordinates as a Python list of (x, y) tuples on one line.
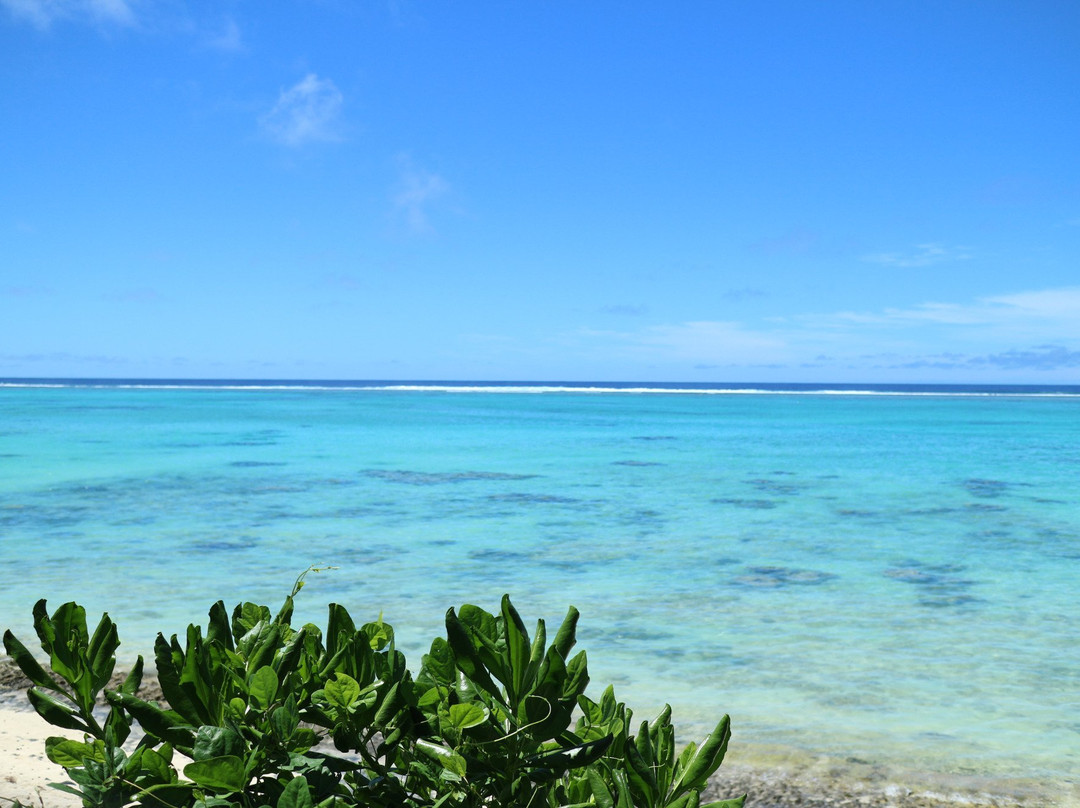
[(773, 777)]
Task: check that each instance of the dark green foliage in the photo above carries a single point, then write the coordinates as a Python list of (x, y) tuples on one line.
[(266, 715)]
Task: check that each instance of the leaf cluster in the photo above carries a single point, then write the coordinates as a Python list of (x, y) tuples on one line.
[(260, 714)]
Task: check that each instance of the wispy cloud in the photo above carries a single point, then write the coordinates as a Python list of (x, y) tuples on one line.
[(43, 13), (625, 309), (1025, 332), (140, 295), (739, 295), (416, 191), (727, 340), (1038, 357), (339, 281), (797, 241), (304, 113), (227, 39), (1047, 310), (1014, 189), (693, 343), (25, 291), (1041, 357), (923, 255), (61, 356)]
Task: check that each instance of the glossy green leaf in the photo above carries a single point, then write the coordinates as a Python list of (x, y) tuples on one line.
[(600, 792), (690, 800), (339, 628), (640, 775), (466, 658), (166, 655), (43, 626), (379, 634), (393, 702), (218, 629), (685, 757), (54, 711), (156, 765), (464, 716), (297, 794), (165, 795), (101, 652), (487, 640), (736, 802), (266, 640), (708, 758), (439, 662), (517, 647), (285, 613), (445, 756), (263, 687), (285, 719), (643, 742), (246, 616), (133, 680), (433, 750), (216, 742), (624, 799), (195, 681), (572, 758), (536, 653), (165, 725), (342, 690), (117, 726), (66, 752), (566, 636), (577, 676), (224, 773), (291, 653), (27, 663)]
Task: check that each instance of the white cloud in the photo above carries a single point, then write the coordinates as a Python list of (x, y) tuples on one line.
[(714, 341), (306, 112), (417, 190), (692, 343), (43, 13), (1049, 312), (923, 255), (1044, 304), (1036, 331)]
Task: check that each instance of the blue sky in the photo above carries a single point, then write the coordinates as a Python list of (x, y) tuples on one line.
[(684, 191)]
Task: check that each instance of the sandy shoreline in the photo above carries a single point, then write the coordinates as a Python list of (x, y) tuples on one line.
[(772, 777)]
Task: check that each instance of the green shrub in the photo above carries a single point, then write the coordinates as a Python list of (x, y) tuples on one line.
[(493, 718)]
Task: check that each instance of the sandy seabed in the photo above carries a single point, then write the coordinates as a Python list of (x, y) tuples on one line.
[(771, 777)]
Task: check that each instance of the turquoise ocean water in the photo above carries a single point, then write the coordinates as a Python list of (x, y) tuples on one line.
[(886, 573)]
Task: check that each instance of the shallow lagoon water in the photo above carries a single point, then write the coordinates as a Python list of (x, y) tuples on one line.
[(889, 577)]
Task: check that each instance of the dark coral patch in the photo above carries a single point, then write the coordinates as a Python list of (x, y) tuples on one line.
[(937, 584), (533, 499), (753, 504), (770, 577), (219, 545), (985, 489), (441, 477)]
